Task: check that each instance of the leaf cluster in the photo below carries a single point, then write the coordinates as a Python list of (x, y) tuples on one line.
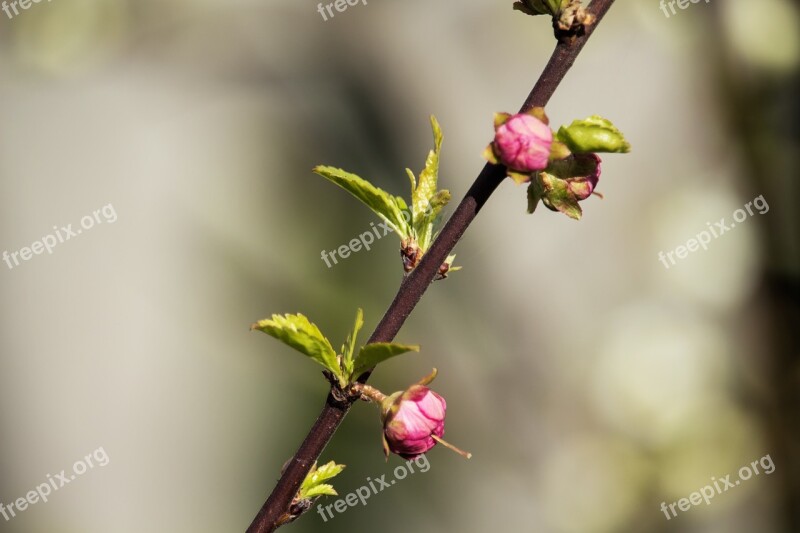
[(297, 331)]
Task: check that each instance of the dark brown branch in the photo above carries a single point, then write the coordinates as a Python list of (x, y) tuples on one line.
[(415, 285)]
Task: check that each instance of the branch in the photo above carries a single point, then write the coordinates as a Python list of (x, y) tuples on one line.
[(415, 284)]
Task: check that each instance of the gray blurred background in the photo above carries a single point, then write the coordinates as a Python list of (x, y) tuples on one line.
[(590, 382)]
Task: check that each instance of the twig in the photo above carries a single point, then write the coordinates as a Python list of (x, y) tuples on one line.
[(415, 284)]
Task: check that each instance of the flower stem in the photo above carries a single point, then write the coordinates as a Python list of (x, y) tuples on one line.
[(416, 283), (369, 392)]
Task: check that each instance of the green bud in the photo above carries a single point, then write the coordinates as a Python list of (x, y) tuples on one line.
[(594, 134)]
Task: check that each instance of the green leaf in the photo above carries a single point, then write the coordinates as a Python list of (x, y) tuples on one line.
[(557, 196), (541, 7), (413, 179), (350, 345), (302, 335), (426, 201), (373, 354), (323, 473), (390, 208), (425, 188), (428, 219), (313, 485), (595, 134), (521, 6), (321, 490)]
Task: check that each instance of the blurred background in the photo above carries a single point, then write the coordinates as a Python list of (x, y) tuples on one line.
[(590, 382)]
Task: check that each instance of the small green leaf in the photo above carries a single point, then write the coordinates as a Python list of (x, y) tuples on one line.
[(425, 188), (302, 335), (350, 345), (449, 263), (373, 354), (321, 490), (429, 217), (521, 6), (595, 134), (401, 204), (390, 208), (426, 201), (313, 485), (413, 179), (323, 473), (438, 201), (541, 7)]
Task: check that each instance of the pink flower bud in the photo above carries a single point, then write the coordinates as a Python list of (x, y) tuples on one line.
[(411, 419), (522, 143)]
